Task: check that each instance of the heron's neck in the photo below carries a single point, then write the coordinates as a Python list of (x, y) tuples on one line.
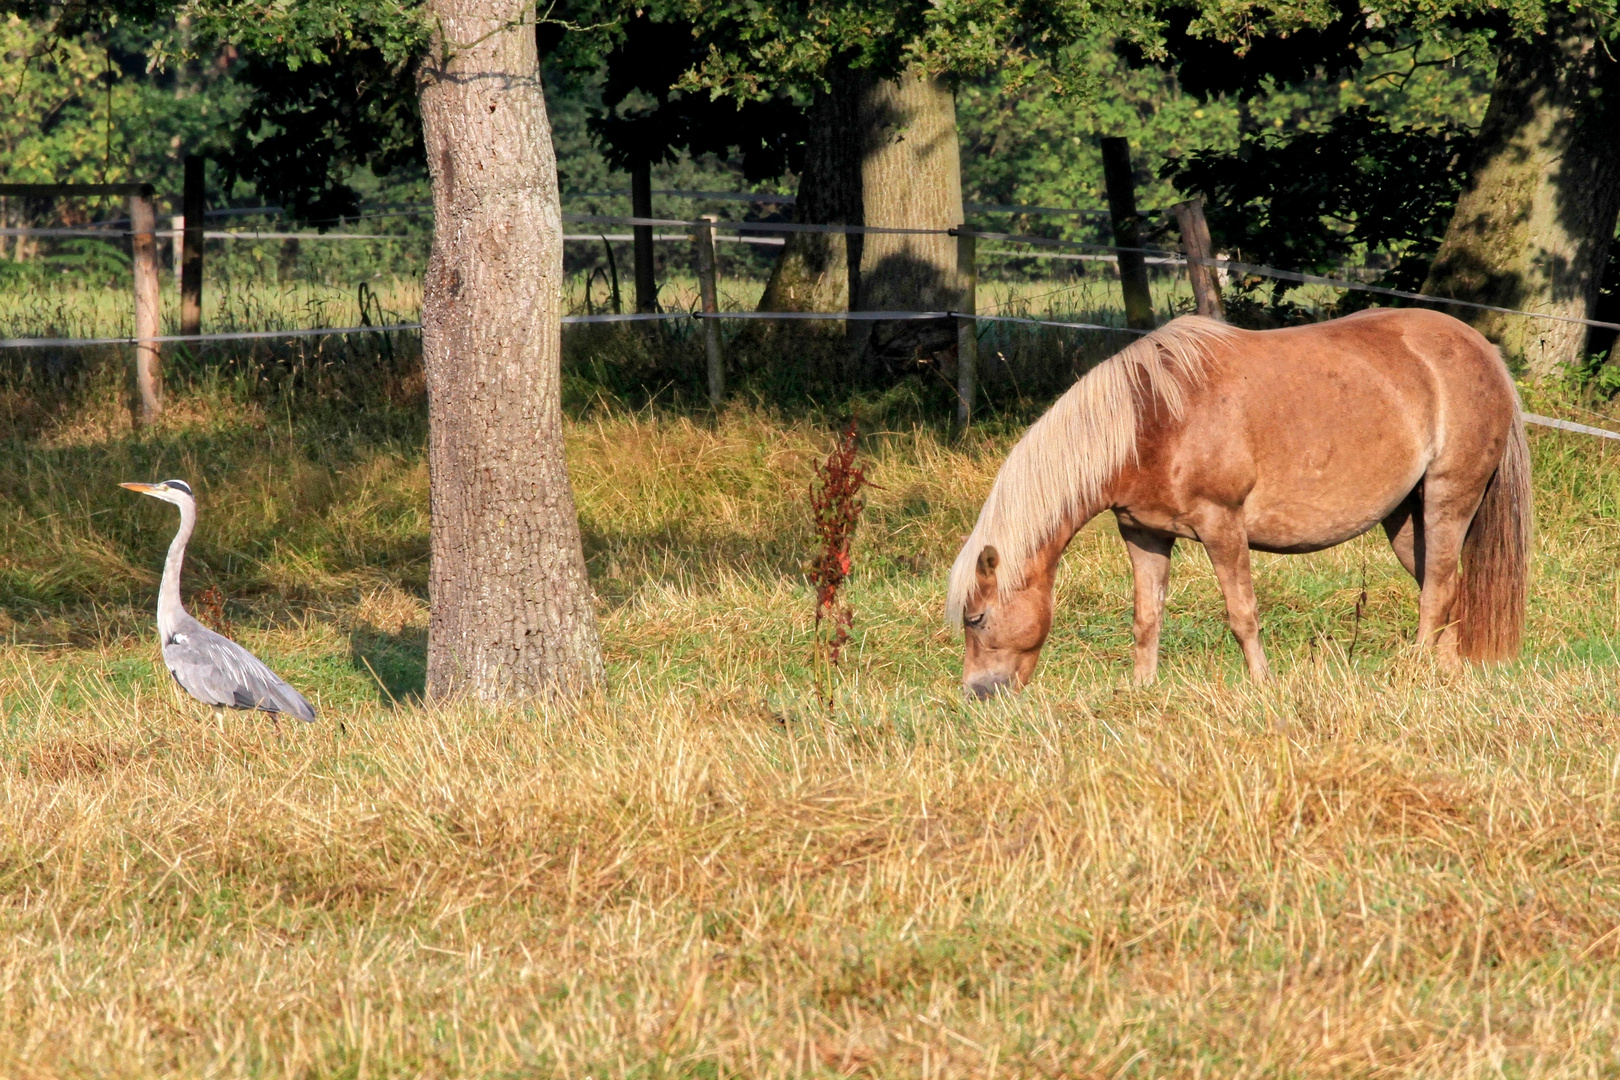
[(169, 610)]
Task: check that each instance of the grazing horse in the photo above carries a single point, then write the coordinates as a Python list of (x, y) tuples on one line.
[(1286, 440)]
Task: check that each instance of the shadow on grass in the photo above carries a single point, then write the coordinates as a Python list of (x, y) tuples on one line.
[(397, 663)]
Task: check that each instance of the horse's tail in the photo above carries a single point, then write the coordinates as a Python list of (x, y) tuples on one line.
[(1496, 559)]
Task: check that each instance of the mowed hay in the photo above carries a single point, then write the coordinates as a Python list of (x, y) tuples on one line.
[(1367, 866)]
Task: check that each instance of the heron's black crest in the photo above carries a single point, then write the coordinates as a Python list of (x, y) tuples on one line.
[(181, 484)]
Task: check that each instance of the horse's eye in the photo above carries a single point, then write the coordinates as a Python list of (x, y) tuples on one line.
[(973, 622)]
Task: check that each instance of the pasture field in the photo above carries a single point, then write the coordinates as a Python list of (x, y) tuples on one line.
[(69, 309), (1365, 867)]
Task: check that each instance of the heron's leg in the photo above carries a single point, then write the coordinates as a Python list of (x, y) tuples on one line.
[(1150, 570), (219, 719), (1227, 542)]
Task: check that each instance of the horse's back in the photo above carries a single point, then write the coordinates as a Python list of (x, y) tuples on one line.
[(1319, 431), (1411, 368), (1403, 373), (1449, 347)]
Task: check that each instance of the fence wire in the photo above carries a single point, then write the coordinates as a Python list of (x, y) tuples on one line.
[(288, 282)]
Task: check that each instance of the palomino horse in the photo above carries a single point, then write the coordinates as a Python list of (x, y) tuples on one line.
[(1280, 440)]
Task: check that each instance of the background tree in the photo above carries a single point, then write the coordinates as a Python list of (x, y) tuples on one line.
[(1534, 223), (882, 149), (821, 271), (512, 613), (645, 119), (81, 106), (1359, 187), (911, 178), (309, 125)]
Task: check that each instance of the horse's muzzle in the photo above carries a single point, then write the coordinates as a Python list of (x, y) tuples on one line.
[(987, 686)]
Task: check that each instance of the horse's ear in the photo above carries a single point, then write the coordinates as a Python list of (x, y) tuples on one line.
[(988, 561)]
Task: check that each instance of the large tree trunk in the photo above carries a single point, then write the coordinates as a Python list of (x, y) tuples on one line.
[(512, 613), (880, 152), (1532, 229), (911, 177), (813, 271)]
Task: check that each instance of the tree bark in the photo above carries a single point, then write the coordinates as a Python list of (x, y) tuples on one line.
[(911, 177), (813, 271), (512, 612), (1532, 229)]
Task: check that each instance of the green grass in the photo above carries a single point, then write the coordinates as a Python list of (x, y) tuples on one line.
[(1366, 867), (63, 306), (50, 309)]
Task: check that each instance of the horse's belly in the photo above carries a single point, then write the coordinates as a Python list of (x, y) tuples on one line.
[(1309, 517), (1303, 514), (1335, 469), (1293, 534)]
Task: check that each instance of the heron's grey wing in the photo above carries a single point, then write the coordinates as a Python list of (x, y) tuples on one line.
[(197, 674), (218, 671)]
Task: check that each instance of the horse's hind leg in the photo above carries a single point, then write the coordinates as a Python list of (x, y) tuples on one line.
[(1227, 542), (1150, 570), (1404, 527), (1448, 508)]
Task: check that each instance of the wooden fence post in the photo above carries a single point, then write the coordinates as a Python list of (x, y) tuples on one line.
[(195, 205), (641, 207), (148, 307), (177, 244), (967, 328), (709, 293), (1196, 245), (1133, 280)]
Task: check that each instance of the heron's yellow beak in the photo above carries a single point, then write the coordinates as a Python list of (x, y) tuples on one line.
[(144, 489)]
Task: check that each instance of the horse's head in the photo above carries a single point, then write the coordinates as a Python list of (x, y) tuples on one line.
[(1004, 634)]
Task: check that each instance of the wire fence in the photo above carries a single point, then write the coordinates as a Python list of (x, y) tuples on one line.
[(1079, 300)]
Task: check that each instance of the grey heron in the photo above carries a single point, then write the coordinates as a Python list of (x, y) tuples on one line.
[(210, 667)]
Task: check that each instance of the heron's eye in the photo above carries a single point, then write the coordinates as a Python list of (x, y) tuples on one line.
[(973, 622)]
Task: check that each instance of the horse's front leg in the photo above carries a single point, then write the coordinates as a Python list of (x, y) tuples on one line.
[(1227, 541), (1150, 569)]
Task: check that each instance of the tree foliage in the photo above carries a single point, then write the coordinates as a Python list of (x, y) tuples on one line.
[(646, 119), (307, 128), (81, 106), (326, 95), (330, 90), (1313, 199), (1031, 144)]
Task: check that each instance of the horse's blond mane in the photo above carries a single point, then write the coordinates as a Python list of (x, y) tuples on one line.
[(1059, 467)]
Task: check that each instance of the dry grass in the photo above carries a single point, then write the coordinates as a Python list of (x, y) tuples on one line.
[(1365, 867)]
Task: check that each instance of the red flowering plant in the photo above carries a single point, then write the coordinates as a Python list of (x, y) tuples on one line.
[(835, 509), (210, 604)]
